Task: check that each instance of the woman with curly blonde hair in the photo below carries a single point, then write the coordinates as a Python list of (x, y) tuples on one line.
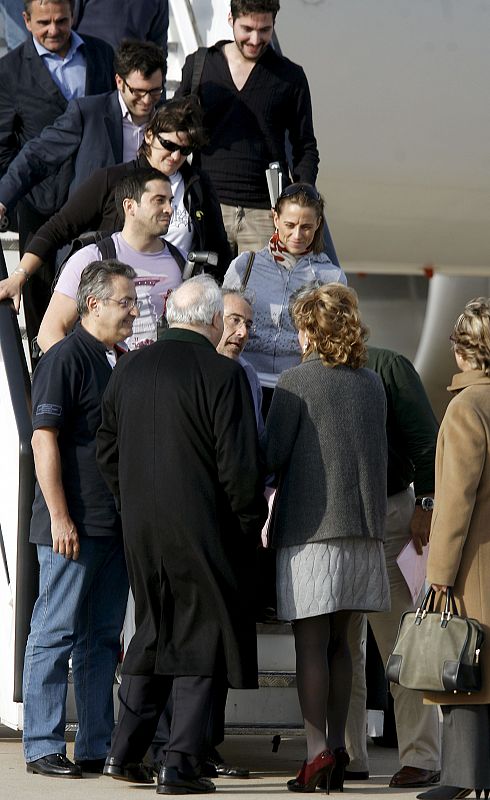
[(326, 440)]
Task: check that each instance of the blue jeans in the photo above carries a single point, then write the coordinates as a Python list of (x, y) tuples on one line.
[(79, 612)]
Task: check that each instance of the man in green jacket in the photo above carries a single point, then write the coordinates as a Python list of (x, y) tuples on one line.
[(412, 432)]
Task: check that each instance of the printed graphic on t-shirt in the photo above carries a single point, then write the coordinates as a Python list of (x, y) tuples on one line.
[(180, 217), (152, 298)]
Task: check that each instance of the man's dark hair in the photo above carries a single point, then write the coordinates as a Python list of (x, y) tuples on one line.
[(97, 278), (28, 4), (133, 185), (242, 8), (145, 57)]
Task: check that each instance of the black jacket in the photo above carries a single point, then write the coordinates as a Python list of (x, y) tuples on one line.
[(192, 514), (30, 100), (93, 207)]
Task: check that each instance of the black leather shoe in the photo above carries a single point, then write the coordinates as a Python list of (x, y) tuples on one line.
[(171, 781), (445, 793), (95, 766), (215, 767), (223, 770), (133, 773), (54, 766)]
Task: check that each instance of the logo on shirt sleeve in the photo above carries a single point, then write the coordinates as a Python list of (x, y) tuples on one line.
[(48, 408)]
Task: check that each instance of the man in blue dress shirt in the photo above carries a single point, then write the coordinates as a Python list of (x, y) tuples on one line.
[(37, 80)]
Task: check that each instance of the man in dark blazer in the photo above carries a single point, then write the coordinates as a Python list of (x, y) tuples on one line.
[(93, 132), (183, 415), (37, 80)]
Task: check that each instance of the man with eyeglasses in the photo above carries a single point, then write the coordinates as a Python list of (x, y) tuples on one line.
[(145, 196), (83, 583), (96, 131), (237, 326)]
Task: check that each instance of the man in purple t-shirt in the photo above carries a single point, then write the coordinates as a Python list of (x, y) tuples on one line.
[(146, 199)]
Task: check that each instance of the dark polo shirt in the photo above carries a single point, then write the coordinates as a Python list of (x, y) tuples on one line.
[(67, 390)]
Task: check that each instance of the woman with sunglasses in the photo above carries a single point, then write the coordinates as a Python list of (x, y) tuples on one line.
[(294, 257), (174, 132)]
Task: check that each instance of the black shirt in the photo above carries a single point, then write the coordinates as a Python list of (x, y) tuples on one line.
[(67, 390), (247, 127)]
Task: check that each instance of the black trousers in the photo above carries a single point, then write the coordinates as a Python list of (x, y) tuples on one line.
[(142, 700), (215, 732)]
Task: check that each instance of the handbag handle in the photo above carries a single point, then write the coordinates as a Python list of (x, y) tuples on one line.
[(450, 609), (427, 606)]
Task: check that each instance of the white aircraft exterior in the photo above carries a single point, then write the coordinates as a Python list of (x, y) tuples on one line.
[(402, 119)]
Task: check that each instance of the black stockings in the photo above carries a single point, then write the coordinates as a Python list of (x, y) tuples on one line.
[(324, 678)]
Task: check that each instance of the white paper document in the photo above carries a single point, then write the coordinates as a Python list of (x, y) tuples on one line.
[(269, 495), (413, 568)]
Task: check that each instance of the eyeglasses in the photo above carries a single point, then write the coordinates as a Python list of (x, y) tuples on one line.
[(300, 188), (236, 321), (172, 147), (127, 302), (141, 93)]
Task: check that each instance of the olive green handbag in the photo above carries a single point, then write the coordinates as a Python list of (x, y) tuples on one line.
[(437, 651)]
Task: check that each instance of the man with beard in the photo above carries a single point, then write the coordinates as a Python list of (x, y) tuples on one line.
[(191, 522), (251, 97), (146, 199)]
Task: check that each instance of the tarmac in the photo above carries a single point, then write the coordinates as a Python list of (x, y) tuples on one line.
[(269, 772)]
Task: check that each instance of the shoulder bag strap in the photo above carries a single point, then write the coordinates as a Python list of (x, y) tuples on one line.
[(248, 270), (107, 248), (197, 68), (176, 255)]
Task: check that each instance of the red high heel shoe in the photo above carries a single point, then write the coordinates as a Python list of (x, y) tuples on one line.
[(311, 773)]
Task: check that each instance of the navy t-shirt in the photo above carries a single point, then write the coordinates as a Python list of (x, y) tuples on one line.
[(67, 390)]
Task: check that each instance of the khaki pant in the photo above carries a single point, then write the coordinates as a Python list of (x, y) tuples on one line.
[(417, 725), (247, 228)]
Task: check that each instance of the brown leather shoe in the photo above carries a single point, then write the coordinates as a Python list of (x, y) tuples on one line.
[(413, 777)]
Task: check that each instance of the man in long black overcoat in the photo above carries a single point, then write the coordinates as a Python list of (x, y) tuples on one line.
[(178, 447)]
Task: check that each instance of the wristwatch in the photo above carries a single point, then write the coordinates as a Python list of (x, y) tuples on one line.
[(427, 503)]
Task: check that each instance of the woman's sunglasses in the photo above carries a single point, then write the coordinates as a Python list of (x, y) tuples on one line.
[(172, 147), (300, 188)]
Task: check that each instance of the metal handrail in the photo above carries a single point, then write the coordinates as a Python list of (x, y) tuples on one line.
[(185, 22)]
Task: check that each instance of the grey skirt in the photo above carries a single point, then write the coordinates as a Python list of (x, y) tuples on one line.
[(332, 575)]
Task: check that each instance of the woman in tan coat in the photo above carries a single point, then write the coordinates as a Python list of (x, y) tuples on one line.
[(459, 554)]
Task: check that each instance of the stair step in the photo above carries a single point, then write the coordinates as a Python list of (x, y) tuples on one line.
[(277, 680)]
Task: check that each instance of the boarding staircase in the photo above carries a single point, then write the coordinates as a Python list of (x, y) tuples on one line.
[(275, 706)]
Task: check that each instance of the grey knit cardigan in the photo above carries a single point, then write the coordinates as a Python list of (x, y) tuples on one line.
[(326, 440)]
